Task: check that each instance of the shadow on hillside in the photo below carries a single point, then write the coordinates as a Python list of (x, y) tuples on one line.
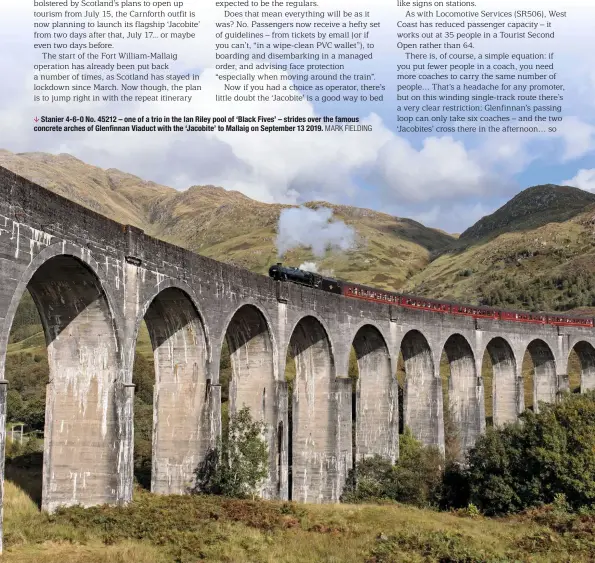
[(26, 471), (432, 240)]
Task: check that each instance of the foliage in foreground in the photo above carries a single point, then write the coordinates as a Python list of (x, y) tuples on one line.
[(415, 478), (187, 529), (542, 457), (238, 465)]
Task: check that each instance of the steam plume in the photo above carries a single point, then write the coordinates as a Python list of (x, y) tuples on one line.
[(309, 267), (314, 228)]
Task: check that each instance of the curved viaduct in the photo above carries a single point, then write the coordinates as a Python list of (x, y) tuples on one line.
[(95, 280)]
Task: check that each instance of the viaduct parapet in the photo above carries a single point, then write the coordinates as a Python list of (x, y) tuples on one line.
[(94, 281)]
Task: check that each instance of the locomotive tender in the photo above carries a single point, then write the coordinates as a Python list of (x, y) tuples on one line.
[(283, 273)]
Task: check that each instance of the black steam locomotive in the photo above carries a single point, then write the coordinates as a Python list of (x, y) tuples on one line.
[(283, 273)]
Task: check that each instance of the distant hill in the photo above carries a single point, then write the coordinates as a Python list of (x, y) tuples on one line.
[(536, 252), (530, 209)]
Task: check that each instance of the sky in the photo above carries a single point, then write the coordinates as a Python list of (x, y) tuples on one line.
[(447, 181)]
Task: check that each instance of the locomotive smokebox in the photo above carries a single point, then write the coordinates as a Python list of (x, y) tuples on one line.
[(275, 271)]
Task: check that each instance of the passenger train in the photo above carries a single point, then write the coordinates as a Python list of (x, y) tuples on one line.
[(283, 273)]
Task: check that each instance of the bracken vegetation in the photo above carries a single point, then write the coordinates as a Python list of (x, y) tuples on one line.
[(159, 529), (156, 529)]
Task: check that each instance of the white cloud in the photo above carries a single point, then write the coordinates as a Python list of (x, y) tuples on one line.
[(578, 138), (453, 218), (584, 179), (441, 168)]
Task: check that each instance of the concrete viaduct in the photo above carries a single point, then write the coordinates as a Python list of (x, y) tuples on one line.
[(95, 280)]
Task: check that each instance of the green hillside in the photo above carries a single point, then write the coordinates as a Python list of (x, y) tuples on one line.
[(530, 209), (545, 261)]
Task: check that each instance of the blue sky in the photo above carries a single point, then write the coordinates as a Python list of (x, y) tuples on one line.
[(446, 181)]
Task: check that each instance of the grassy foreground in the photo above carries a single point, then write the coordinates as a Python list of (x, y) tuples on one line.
[(155, 529)]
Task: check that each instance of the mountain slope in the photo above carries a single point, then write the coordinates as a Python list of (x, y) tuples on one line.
[(531, 209), (231, 227), (545, 260)]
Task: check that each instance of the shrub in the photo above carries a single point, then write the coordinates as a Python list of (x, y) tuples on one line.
[(539, 460), (455, 487), (14, 448), (238, 465), (414, 479)]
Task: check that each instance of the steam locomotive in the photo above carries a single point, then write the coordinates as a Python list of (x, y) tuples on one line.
[(288, 274)]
